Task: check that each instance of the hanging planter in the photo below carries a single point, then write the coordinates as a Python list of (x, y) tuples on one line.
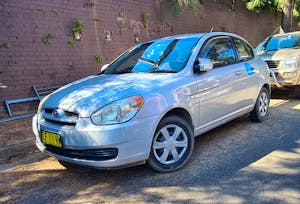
[(137, 38), (77, 29), (77, 36), (107, 36)]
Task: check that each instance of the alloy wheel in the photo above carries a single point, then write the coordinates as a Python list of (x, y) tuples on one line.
[(263, 104)]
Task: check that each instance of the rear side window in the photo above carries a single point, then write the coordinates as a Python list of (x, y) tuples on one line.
[(244, 51), (220, 51)]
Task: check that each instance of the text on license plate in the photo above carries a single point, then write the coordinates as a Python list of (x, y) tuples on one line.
[(50, 138)]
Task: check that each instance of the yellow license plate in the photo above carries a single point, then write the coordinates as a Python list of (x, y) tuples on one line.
[(50, 138)]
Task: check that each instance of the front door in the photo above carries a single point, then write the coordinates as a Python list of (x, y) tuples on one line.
[(221, 92)]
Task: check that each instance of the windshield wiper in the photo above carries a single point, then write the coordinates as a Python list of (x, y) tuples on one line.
[(148, 60), (162, 71), (123, 71)]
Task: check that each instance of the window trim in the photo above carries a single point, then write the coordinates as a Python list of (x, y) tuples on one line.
[(237, 50), (216, 38)]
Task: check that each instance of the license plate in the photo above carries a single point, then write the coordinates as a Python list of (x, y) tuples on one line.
[(50, 138)]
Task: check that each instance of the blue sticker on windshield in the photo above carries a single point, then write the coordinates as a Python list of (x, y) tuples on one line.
[(249, 69)]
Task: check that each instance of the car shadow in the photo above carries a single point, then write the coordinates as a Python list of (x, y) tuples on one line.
[(222, 169)]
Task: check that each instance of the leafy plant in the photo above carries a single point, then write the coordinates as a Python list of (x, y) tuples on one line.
[(258, 6), (276, 5), (233, 6), (223, 28), (179, 5), (4, 45), (146, 19), (72, 41), (46, 38), (297, 12), (70, 64), (77, 26), (100, 59)]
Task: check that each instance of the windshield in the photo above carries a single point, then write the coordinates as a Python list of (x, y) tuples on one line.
[(164, 55), (280, 42)]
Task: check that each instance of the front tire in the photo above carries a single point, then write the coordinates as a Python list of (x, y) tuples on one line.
[(261, 109), (69, 166), (297, 92), (172, 144)]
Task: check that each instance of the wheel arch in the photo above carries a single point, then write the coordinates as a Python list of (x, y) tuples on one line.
[(268, 87), (182, 113)]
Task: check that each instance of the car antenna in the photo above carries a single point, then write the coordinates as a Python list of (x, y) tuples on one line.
[(212, 29)]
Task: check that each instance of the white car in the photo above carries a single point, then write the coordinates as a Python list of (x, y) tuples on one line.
[(150, 103)]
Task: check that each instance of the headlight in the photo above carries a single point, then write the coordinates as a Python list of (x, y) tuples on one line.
[(291, 62), (118, 112)]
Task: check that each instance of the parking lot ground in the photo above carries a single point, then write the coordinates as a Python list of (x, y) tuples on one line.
[(240, 162)]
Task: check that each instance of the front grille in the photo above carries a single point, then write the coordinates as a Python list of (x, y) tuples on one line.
[(55, 122), (87, 154), (273, 63), (62, 117)]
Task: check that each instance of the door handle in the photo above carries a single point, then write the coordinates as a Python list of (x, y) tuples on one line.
[(238, 72)]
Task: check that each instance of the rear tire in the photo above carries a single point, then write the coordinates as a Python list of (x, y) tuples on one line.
[(261, 108), (172, 144)]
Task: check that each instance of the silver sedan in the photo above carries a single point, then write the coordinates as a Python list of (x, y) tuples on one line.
[(150, 103)]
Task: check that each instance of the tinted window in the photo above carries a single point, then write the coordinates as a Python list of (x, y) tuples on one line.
[(220, 52), (244, 50), (164, 55), (126, 61)]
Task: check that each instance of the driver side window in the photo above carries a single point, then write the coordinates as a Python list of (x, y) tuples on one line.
[(220, 51)]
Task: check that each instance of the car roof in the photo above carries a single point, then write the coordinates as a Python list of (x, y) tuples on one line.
[(295, 32), (198, 35)]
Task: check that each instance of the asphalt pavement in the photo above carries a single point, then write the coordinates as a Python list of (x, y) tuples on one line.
[(240, 162)]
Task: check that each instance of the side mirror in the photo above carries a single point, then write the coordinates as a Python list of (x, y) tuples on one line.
[(103, 67), (203, 65)]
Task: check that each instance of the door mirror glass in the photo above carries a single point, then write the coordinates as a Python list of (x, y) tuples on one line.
[(204, 65)]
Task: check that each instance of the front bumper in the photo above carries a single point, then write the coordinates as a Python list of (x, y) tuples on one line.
[(109, 146), (285, 77)]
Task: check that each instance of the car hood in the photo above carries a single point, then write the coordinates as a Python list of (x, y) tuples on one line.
[(279, 54), (87, 95)]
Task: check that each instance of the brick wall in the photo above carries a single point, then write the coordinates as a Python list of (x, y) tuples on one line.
[(29, 61), (219, 15)]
